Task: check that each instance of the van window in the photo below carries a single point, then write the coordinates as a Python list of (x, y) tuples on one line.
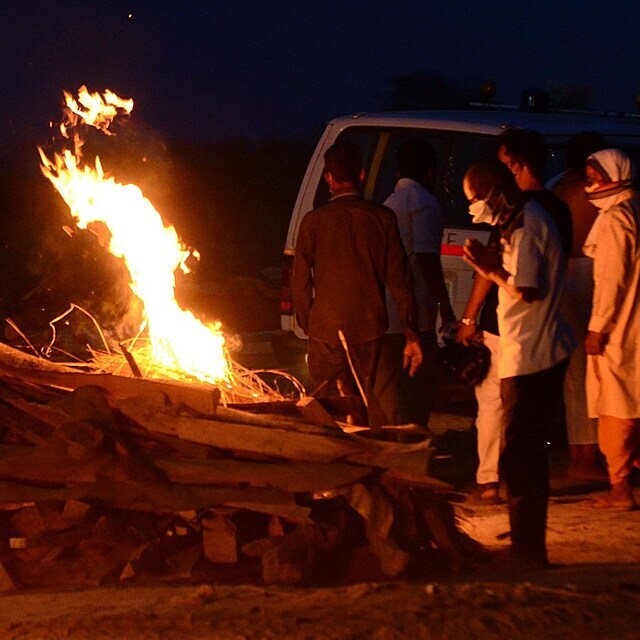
[(366, 138), (454, 151), (464, 149)]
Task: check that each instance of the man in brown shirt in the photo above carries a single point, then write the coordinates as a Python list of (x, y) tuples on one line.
[(346, 252)]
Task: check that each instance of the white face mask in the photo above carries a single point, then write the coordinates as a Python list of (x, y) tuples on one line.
[(606, 202), (480, 211)]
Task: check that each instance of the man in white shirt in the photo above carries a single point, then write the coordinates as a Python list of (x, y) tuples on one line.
[(409, 399), (535, 342)]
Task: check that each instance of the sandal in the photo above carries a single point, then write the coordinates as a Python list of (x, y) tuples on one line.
[(488, 493), (610, 503)]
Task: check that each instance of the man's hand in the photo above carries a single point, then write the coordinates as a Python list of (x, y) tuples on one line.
[(467, 334), (412, 357), (485, 260), (594, 343)]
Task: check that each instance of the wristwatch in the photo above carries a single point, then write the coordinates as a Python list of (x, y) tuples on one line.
[(467, 322)]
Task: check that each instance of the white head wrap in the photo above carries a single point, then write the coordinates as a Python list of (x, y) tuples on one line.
[(614, 164)]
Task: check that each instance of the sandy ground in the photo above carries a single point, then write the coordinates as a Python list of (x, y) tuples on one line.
[(592, 591)]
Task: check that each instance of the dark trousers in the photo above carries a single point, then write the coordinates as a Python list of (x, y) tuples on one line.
[(529, 402), (406, 399), (329, 363)]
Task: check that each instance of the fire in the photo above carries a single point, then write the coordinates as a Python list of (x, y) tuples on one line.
[(151, 251)]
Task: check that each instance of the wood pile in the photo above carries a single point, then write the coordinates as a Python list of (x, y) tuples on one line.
[(106, 478)]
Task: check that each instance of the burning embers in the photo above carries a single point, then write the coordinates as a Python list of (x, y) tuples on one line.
[(151, 251)]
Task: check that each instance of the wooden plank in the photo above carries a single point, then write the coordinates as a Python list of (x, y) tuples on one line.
[(22, 423), (219, 539), (290, 476), (272, 421), (137, 497), (6, 583), (242, 438), (335, 405), (248, 439), (201, 398), (314, 412)]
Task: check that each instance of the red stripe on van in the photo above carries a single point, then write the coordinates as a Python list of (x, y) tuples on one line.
[(451, 249)]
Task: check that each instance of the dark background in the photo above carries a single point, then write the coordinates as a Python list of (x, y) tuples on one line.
[(230, 97)]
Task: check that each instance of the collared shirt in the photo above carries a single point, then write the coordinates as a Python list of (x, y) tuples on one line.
[(533, 335), (421, 227), (346, 252)]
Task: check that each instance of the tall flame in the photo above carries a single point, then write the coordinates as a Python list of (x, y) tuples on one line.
[(151, 251)]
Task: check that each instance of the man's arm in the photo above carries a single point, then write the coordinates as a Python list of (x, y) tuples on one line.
[(399, 279), (431, 269), (479, 291), (488, 264), (302, 277)]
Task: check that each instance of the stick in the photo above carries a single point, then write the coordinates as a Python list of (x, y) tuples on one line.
[(135, 369), (343, 340)]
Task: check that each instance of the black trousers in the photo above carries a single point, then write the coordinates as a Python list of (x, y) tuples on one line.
[(329, 363), (407, 399), (529, 404)]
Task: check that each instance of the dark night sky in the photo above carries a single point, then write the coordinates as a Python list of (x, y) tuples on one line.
[(219, 69)]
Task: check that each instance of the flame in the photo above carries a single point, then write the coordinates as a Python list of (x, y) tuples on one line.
[(151, 251)]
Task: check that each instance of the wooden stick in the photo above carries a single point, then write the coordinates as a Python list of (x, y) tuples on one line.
[(135, 369), (345, 346)]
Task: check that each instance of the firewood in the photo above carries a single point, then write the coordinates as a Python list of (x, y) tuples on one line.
[(437, 514), (202, 398), (334, 405), (290, 476), (161, 445), (377, 512), (142, 497), (75, 511), (219, 538), (13, 358), (314, 412), (273, 421), (26, 523), (243, 438), (23, 424), (240, 437), (6, 583)]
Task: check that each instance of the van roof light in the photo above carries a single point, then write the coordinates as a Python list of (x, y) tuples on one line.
[(534, 101)]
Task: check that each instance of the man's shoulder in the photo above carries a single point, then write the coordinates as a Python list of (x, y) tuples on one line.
[(409, 193), (551, 202), (338, 206), (535, 213)]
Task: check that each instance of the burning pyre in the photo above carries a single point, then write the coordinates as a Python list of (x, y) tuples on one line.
[(171, 342)]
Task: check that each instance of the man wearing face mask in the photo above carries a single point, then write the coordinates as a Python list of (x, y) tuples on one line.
[(480, 323), (535, 342), (613, 340)]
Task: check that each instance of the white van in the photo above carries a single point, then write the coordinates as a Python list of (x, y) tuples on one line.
[(459, 138)]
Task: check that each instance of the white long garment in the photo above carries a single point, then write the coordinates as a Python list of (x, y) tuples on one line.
[(613, 379)]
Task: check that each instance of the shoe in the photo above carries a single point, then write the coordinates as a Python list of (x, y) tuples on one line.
[(488, 493)]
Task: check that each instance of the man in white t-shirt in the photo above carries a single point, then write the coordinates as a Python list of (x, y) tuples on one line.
[(421, 223), (535, 342)]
